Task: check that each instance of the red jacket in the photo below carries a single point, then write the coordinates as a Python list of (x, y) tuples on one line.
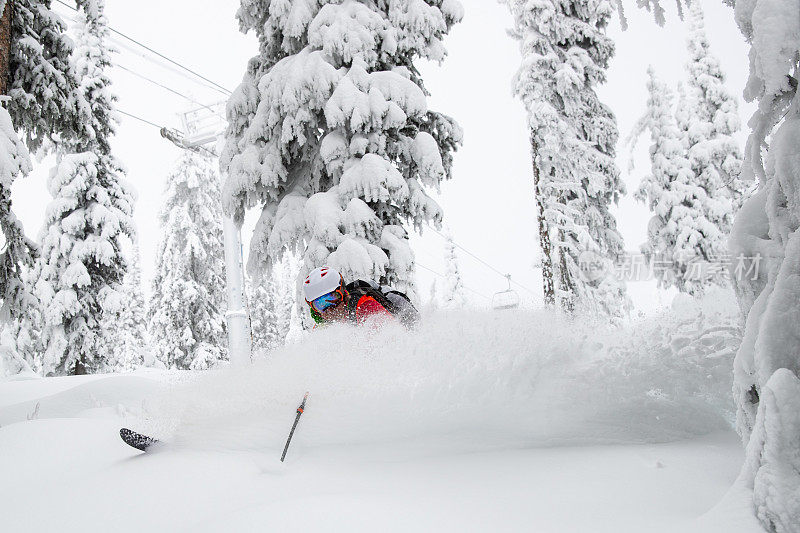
[(368, 307), (364, 309)]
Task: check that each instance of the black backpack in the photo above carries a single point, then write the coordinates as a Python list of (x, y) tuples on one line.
[(394, 301)]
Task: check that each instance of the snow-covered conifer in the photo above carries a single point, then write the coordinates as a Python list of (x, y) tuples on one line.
[(43, 87), (686, 229), (21, 333), (767, 230), (42, 95), (683, 112), (331, 136), (287, 304), (128, 339), (91, 58), (453, 293), (82, 263), (271, 303), (81, 266), (20, 310), (261, 299), (187, 308), (17, 251), (765, 245), (433, 298), (714, 154), (565, 53)]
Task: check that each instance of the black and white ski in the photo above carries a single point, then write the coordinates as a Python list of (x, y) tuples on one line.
[(136, 440), (144, 443)]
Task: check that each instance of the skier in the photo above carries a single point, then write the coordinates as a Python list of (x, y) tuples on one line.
[(331, 300)]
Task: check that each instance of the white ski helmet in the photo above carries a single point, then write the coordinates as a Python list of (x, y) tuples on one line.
[(321, 281)]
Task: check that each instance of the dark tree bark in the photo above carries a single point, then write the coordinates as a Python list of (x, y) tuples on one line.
[(566, 287), (5, 48), (80, 367), (544, 234)]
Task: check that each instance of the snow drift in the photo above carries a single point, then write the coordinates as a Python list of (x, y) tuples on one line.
[(480, 379)]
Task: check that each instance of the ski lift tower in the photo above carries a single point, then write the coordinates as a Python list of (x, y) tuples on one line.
[(202, 127)]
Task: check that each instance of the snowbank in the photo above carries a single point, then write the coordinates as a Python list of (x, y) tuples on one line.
[(657, 488), (91, 396), (480, 378), (451, 427)]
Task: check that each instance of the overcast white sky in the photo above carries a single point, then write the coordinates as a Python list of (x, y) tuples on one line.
[(489, 203)]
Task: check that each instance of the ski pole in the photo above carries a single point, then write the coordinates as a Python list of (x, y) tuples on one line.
[(296, 420)]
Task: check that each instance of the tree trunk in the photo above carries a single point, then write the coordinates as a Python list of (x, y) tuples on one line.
[(80, 367), (566, 287), (544, 234), (5, 48)]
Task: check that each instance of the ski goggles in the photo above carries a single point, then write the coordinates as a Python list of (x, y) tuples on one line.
[(327, 301)]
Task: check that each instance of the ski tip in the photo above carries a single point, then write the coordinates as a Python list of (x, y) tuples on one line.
[(136, 440)]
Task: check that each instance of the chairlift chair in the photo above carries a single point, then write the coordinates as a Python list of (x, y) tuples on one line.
[(507, 299), (203, 124)]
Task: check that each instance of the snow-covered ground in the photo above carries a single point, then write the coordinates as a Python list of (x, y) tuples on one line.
[(474, 422)]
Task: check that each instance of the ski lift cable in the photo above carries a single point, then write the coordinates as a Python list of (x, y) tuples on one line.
[(432, 271), (487, 265), (121, 45), (170, 89), (162, 128), (133, 50), (121, 112), (445, 277), (217, 86)]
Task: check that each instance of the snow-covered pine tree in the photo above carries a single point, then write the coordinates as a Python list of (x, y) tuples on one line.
[(92, 59), (130, 342), (565, 53), (261, 299), (82, 264), (17, 251), (330, 133), (81, 267), (767, 230), (453, 293), (715, 155), (187, 308), (36, 75), (44, 89), (765, 245), (287, 303), (683, 112), (22, 335), (686, 225), (271, 303), (433, 298)]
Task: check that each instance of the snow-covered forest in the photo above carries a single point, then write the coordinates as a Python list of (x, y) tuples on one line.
[(528, 264)]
